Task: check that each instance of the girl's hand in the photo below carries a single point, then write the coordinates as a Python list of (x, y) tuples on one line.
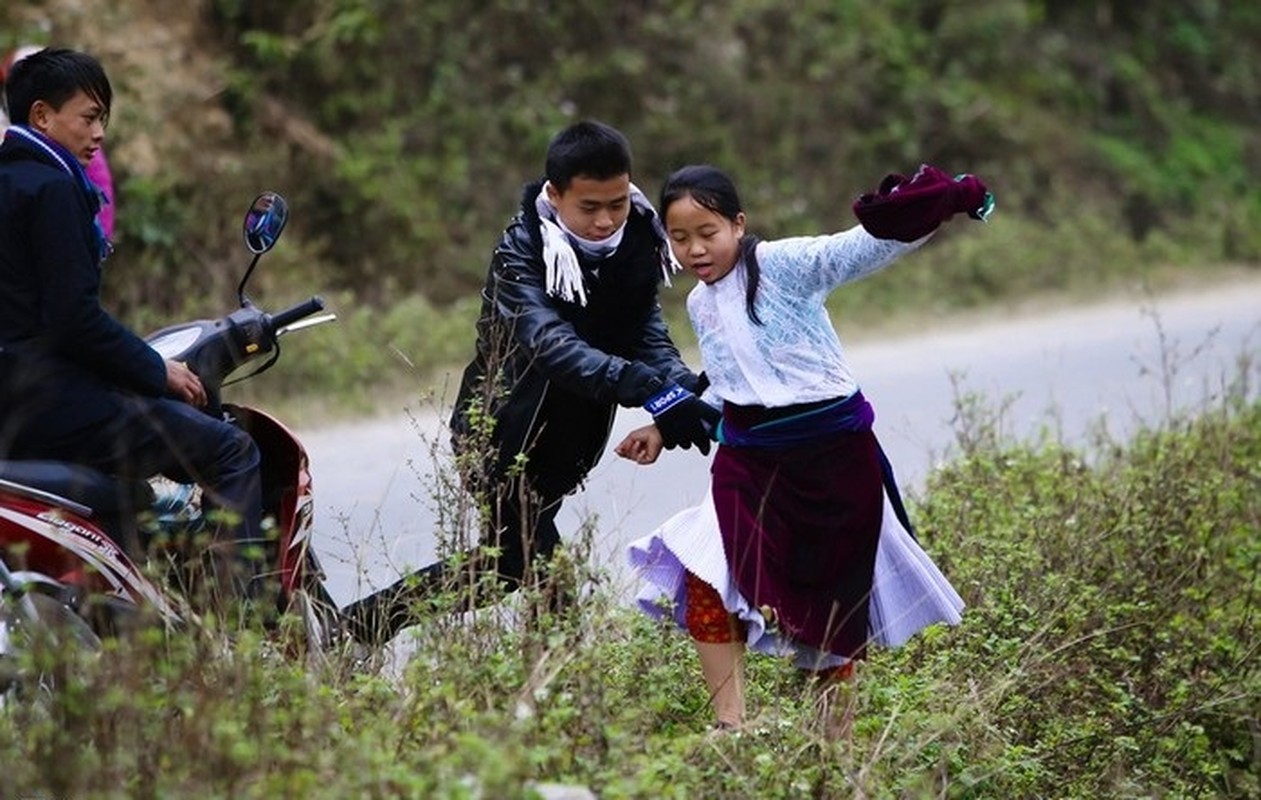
[(641, 445)]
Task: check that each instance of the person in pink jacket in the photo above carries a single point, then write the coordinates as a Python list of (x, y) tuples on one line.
[(98, 173)]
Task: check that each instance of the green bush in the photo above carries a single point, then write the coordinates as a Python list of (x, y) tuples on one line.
[(1112, 604)]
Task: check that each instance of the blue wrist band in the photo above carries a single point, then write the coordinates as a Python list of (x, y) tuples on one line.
[(667, 398)]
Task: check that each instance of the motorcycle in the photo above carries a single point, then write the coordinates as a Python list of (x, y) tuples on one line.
[(73, 555)]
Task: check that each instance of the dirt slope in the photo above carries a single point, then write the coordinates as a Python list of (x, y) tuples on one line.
[(165, 67)]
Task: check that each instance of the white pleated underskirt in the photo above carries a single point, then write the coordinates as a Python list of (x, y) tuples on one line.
[(908, 592)]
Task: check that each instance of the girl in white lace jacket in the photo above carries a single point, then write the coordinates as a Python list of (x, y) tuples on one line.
[(802, 546)]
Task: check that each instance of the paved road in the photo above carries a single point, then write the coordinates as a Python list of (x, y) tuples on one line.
[(1121, 364)]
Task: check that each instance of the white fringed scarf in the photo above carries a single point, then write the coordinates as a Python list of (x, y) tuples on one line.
[(564, 275)]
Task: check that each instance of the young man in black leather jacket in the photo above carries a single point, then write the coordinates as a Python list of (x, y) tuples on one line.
[(570, 329)]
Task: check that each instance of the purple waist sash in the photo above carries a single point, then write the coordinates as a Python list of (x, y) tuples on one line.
[(791, 426)]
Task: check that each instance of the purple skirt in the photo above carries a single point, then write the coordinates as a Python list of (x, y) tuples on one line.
[(800, 527)]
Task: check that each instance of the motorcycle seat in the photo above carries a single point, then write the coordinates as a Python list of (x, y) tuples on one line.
[(106, 496)]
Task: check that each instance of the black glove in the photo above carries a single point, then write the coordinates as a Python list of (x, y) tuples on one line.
[(696, 384), (683, 418)]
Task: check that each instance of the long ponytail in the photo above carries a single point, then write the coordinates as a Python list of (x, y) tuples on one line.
[(753, 273)]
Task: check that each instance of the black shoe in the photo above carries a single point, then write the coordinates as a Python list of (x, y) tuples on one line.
[(377, 618)]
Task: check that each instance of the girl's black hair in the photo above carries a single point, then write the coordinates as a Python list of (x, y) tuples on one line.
[(711, 188), (54, 75)]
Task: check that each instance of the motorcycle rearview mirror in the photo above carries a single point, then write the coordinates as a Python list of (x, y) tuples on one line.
[(263, 223)]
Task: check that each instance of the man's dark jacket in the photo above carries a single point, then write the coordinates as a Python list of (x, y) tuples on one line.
[(64, 357), (542, 361)]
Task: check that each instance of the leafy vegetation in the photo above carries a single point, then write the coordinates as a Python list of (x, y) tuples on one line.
[(1109, 650), (1122, 140)]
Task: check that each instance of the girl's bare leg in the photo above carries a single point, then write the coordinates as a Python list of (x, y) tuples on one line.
[(722, 664), (719, 639)]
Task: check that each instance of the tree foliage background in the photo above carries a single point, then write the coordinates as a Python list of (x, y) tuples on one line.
[(402, 131)]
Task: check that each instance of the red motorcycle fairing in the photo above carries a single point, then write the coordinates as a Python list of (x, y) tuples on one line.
[(59, 537), (46, 537), (287, 493)]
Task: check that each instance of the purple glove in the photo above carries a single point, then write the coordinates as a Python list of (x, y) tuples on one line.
[(907, 209)]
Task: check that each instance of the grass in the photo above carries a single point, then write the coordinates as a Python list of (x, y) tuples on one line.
[(1110, 649)]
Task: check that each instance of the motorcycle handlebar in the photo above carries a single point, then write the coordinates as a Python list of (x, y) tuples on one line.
[(291, 315)]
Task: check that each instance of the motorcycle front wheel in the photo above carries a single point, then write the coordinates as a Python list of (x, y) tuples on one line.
[(38, 635)]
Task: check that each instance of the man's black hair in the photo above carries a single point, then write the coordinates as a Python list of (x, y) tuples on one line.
[(590, 149), (54, 75)]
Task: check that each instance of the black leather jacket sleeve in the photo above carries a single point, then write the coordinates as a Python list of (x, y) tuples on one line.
[(658, 351)]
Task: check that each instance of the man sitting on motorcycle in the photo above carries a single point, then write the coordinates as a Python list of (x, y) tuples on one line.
[(75, 384)]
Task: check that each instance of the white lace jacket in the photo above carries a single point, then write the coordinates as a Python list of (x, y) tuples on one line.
[(795, 356)]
